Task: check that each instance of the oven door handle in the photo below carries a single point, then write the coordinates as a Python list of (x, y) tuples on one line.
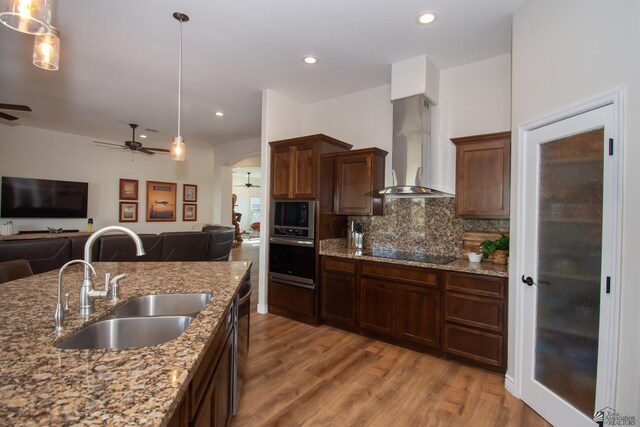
[(294, 283), (291, 242)]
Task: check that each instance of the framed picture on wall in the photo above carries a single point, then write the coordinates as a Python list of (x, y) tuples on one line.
[(128, 212), (128, 189), (190, 193), (189, 212), (161, 201)]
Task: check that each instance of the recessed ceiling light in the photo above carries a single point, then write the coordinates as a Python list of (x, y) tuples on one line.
[(143, 136), (219, 113), (310, 59), (427, 18)]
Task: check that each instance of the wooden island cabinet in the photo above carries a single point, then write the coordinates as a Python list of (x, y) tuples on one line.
[(461, 316)]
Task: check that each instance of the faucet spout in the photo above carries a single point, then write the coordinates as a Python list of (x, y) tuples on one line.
[(87, 291)]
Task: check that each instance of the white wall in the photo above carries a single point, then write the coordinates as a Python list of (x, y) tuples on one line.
[(563, 53), (281, 119), (363, 119), (475, 98), (38, 153), (226, 156)]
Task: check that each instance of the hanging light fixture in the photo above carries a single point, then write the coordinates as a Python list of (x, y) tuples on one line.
[(46, 50), (177, 146), (26, 16)]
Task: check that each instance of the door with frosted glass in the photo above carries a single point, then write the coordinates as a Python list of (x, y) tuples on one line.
[(566, 183)]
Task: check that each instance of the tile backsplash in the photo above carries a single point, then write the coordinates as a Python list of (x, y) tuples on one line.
[(425, 225)]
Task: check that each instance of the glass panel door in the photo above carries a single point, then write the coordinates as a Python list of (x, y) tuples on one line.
[(570, 202)]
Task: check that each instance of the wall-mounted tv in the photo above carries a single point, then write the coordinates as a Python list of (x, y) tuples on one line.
[(43, 198)]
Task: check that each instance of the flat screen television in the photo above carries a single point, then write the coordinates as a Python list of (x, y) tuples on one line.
[(43, 198)]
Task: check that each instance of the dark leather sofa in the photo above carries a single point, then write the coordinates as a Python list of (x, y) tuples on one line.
[(212, 244)]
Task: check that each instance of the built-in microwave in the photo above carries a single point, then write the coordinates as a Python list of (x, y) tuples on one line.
[(294, 218)]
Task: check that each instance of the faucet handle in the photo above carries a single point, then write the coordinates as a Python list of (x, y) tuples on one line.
[(115, 286), (107, 276), (66, 302)]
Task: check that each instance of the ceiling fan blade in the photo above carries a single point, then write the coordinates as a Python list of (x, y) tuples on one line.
[(8, 116), (145, 151), (108, 143), (163, 150), (15, 107)]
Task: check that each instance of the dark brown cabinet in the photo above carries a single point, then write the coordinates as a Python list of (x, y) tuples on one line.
[(207, 401), (483, 175), (475, 319), (358, 173), (295, 165), (292, 301), (339, 292), (401, 302)]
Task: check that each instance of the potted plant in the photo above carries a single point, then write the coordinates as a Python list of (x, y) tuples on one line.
[(499, 248)]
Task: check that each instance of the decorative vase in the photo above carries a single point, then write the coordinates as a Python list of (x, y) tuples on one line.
[(500, 257)]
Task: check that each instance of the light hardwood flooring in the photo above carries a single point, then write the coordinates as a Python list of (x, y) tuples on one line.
[(301, 375)]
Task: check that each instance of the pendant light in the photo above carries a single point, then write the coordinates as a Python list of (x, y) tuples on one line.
[(46, 50), (26, 16), (177, 146)]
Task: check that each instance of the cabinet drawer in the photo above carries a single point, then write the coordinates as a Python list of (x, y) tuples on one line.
[(412, 275), (292, 298), (476, 284), (339, 264), (475, 346), (477, 312)]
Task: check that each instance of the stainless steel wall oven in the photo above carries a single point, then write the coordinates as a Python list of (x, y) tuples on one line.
[(291, 243)]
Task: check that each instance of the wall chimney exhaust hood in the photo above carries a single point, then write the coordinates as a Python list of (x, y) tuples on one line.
[(410, 149)]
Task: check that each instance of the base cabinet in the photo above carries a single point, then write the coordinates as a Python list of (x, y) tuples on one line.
[(476, 320), (401, 302), (292, 301), (462, 315), (207, 401), (339, 293)]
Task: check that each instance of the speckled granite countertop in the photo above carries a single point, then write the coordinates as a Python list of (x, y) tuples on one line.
[(43, 385), (336, 247)]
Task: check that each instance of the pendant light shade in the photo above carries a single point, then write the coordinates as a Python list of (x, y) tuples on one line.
[(177, 146), (26, 16), (46, 50)]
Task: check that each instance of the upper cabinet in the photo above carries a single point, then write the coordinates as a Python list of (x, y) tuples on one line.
[(483, 175), (358, 173), (295, 165)]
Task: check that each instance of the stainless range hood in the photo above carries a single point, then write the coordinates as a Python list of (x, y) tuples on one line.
[(411, 149)]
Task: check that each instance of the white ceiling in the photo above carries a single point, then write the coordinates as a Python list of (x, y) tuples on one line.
[(119, 59)]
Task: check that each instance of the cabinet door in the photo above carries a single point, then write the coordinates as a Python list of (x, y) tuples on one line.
[(482, 175), (339, 298), (377, 306), (419, 315), (223, 392), (353, 185), (280, 172), (304, 172)]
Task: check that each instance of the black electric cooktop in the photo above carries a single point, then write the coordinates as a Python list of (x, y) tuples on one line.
[(410, 256)]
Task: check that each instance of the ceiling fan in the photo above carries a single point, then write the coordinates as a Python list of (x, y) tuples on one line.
[(248, 184), (134, 145), (12, 107)]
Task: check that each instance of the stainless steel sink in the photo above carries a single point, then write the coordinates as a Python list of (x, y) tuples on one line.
[(128, 332), (163, 305)]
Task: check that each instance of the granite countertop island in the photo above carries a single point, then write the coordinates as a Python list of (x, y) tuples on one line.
[(43, 385), (337, 248)]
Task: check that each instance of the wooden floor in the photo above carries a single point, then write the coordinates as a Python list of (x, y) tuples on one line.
[(301, 375)]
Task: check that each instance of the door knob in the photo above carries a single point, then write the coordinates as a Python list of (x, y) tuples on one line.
[(528, 281)]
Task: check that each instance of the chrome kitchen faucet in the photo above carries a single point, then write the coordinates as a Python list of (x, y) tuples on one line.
[(87, 292)]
